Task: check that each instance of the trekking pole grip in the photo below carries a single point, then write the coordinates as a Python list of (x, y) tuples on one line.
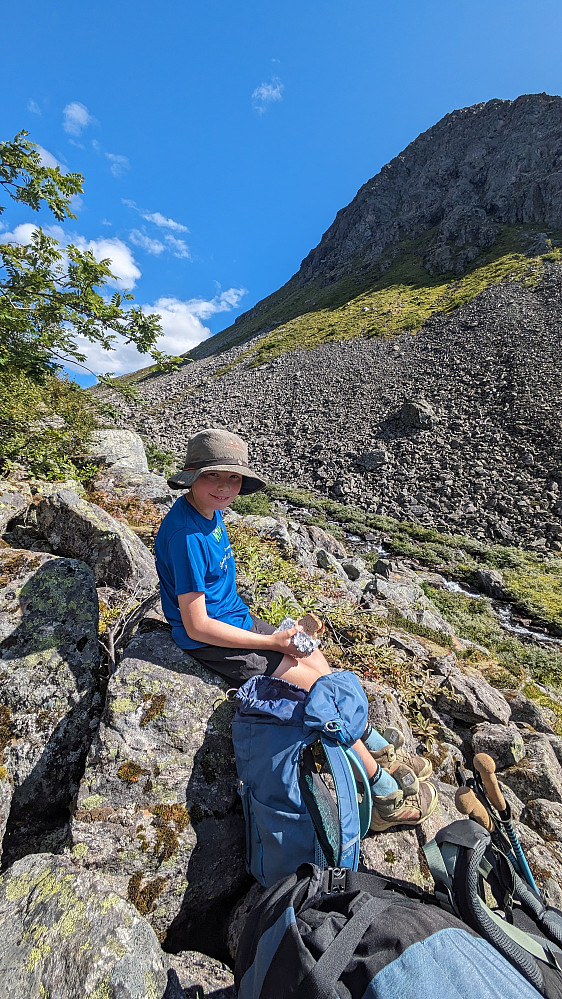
[(487, 770), (468, 804)]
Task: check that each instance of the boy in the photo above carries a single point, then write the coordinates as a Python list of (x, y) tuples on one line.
[(197, 576)]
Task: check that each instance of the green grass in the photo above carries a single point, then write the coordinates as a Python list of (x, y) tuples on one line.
[(395, 297), (532, 583), (475, 620)]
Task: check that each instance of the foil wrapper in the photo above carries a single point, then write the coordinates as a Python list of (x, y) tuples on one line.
[(302, 642)]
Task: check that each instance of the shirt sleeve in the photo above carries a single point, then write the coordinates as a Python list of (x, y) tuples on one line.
[(189, 563)]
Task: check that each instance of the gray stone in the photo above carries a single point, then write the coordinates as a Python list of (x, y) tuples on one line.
[(119, 448), (418, 414), (66, 934), (538, 774), (202, 976), (545, 817), (145, 487), (15, 497), (49, 697), (239, 915), (279, 592), (467, 695), (491, 581), (325, 560), (270, 527), (323, 539), (504, 743), (158, 813), (83, 530), (526, 712), (402, 592), (384, 711), (372, 460)]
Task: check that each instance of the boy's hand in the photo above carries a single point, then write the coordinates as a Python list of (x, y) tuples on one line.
[(284, 642)]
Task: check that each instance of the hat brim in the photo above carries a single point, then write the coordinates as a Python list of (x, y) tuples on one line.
[(251, 481)]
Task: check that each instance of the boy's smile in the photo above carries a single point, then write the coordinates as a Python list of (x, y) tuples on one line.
[(214, 491)]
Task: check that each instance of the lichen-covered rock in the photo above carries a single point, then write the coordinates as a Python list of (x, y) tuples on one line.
[(466, 695), (158, 811), (49, 698), (323, 539), (79, 529), (538, 774), (239, 915), (545, 861), (202, 976), (15, 497), (65, 934), (119, 449), (504, 743)]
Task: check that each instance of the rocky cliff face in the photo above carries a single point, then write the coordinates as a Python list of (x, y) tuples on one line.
[(499, 162)]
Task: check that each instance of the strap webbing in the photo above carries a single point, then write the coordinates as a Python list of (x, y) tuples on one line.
[(321, 981)]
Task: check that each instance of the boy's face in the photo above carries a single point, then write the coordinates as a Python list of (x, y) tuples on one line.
[(215, 491)]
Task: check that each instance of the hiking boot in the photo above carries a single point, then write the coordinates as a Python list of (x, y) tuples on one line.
[(393, 755), (410, 805)]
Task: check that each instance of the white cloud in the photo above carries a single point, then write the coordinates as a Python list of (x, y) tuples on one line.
[(182, 329), (33, 106), (156, 218), (153, 246), (76, 117), (48, 160), (123, 264), (266, 94), (178, 247), (119, 164)]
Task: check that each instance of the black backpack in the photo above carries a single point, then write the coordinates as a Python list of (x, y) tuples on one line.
[(338, 934)]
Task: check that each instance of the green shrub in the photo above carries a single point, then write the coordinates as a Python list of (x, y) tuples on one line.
[(26, 408), (255, 504)]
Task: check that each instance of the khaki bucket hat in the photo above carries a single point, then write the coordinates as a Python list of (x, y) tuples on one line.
[(216, 451)]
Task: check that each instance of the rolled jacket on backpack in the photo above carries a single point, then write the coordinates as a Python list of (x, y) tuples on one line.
[(337, 706)]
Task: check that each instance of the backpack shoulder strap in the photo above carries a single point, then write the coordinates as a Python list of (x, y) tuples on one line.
[(342, 762)]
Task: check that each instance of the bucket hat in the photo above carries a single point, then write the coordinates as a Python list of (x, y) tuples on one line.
[(216, 451)]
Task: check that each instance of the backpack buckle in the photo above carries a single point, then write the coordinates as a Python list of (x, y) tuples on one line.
[(335, 880)]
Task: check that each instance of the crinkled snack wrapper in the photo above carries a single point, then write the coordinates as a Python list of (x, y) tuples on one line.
[(302, 642)]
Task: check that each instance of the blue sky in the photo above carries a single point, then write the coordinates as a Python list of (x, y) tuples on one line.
[(218, 139)]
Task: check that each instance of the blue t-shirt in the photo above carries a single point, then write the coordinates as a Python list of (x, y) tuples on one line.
[(193, 555)]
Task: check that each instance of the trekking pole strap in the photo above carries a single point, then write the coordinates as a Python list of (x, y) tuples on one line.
[(321, 981)]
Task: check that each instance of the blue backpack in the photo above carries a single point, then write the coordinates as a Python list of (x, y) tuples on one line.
[(280, 733)]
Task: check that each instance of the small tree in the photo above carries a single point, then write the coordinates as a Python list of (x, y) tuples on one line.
[(50, 295)]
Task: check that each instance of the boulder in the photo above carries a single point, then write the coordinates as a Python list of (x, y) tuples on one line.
[(122, 484), (323, 539), (83, 530), (401, 591), (384, 711), (49, 700), (66, 934), (538, 774), (526, 712), (270, 527), (158, 813), (504, 743), (545, 817), (15, 497), (466, 695), (373, 460), (418, 414), (491, 581), (282, 594), (119, 449)]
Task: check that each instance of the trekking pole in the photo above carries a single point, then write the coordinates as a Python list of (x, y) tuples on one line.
[(486, 768), (468, 804)]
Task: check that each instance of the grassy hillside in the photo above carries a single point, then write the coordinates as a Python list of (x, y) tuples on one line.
[(396, 297)]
